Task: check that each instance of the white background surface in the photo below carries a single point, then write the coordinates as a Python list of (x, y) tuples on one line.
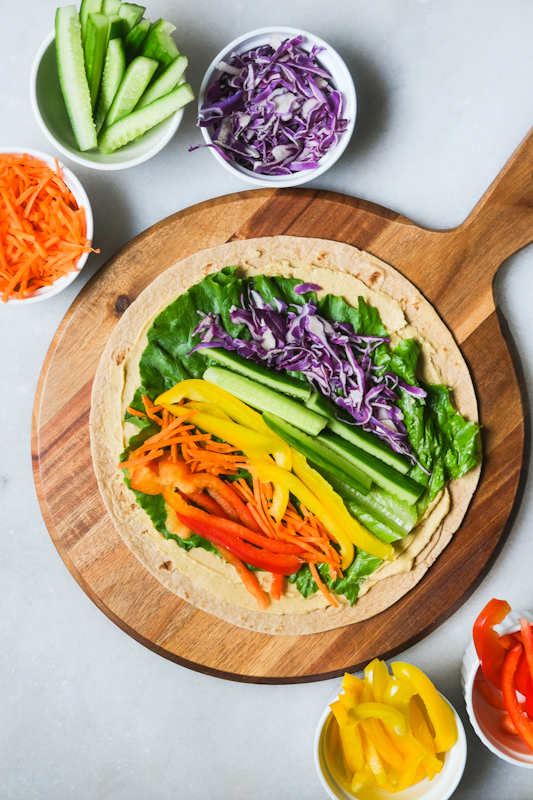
[(445, 95)]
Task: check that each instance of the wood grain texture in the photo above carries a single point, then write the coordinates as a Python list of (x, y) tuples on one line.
[(454, 269)]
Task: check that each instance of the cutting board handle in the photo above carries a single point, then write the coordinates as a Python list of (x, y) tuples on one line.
[(502, 221)]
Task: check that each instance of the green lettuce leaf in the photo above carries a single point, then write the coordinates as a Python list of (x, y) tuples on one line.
[(361, 567)]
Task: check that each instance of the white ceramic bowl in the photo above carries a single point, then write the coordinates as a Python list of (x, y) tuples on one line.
[(441, 787), (83, 201), (484, 718), (329, 59), (51, 114)]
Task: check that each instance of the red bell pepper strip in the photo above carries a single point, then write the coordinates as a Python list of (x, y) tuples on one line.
[(275, 589), (145, 479), (178, 475), (523, 726), (489, 694), (508, 640), (247, 577), (235, 529), (505, 724), (526, 630), (489, 650), (206, 502), (230, 535), (523, 681)]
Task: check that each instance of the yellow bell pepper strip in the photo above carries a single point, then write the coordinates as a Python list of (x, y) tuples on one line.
[(355, 532), (375, 731), (353, 688), (382, 711), (377, 675), (352, 684), (268, 471), (374, 761), (209, 408), (280, 501), (411, 766), (247, 440), (340, 712), (202, 391), (352, 748), (423, 735), (362, 779), (439, 712)]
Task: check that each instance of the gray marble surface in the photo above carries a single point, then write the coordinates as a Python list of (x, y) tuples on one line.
[(445, 95)]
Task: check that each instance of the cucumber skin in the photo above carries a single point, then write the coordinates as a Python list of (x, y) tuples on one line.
[(160, 45), (98, 30), (357, 503), (387, 477), (131, 14), (85, 139), (265, 399), (164, 84), (138, 122), (111, 7), (135, 39), (369, 442), (375, 526), (139, 68), (107, 93), (305, 445), (236, 363), (88, 7)]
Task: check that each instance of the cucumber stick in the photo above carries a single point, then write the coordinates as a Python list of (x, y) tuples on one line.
[(279, 381), (265, 399), (400, 517), (368, 442), (131, 14), (135, 38), (88, 7), (167, 81), (111, 7), (160, 45), (318, 453), (116, 27), (114, 69), (96, 39), (135, 80), (137, 123), (401, 486), (72, 76)]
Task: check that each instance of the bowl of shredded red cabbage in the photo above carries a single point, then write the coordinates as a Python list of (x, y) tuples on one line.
[(277, 106)]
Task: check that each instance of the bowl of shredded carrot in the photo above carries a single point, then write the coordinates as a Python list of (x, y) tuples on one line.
[(46, 226)]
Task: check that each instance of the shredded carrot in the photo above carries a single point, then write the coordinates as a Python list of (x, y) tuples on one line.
[(322, 586), (135, 413), (42, 230), (135, 462)]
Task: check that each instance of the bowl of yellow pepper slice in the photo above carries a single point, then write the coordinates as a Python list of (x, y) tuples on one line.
[(390, 734)]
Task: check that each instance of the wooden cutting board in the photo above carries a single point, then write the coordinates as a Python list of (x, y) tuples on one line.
[(454, 269)]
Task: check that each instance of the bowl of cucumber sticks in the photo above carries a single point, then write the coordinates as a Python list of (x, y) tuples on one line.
[(108, 85)]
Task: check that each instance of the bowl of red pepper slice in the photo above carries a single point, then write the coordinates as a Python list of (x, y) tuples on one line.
[(497, 679)]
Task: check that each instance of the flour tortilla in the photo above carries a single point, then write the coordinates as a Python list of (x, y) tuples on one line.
[(202, 578)]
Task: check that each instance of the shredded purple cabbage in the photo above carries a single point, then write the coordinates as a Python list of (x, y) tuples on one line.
[(273, 110), (336, 361)]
